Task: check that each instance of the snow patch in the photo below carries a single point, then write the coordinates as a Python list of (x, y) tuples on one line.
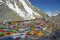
[(13, 6), (29, 10)]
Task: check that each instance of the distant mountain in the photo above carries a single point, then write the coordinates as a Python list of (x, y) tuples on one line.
[(12, 10), (55, 18)]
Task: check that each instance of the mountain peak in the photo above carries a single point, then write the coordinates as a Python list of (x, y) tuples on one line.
[(19, 9)]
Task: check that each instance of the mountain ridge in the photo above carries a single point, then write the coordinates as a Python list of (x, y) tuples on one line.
[(19, 10)]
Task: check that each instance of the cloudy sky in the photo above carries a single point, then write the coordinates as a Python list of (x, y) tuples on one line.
[(51, 7)]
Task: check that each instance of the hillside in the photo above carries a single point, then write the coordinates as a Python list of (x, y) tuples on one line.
[(12, 10)]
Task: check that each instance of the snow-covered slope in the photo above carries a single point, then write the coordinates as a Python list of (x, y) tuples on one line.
[(22, 8)]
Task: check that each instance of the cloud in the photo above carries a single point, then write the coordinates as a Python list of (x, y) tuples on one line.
[(53, 13)]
